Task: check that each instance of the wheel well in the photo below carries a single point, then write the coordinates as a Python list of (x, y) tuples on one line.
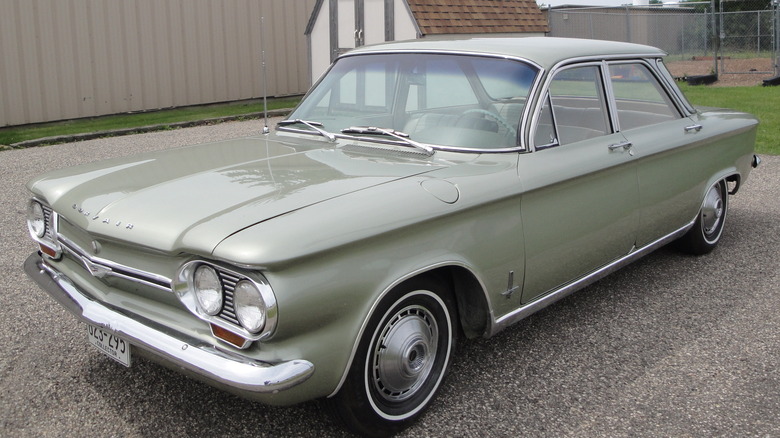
[(732, 183), (470, 298)]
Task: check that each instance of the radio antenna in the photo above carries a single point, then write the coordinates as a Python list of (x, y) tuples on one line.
[(265, 84)]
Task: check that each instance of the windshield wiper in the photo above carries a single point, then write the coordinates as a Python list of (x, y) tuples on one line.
[(313, 125), (402, 136)]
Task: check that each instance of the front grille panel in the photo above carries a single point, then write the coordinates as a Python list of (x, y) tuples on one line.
[(229, 282), (75, 243), (48, 215)]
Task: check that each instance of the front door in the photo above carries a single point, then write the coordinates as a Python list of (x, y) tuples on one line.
[(580, 196)]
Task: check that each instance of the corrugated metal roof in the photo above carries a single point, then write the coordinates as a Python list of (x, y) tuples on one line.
[(436, 17)]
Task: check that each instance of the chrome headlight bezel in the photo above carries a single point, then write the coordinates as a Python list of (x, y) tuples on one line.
[(226, 318), (46, 237)]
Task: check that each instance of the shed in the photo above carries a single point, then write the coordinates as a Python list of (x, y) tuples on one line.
[(336, 26)]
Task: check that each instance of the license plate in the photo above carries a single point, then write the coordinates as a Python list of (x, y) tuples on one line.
[(110, 344)]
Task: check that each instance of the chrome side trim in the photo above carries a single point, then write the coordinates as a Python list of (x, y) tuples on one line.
[(214, 365), (558, 294)]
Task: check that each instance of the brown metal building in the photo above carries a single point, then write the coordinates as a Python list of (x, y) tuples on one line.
[(82, 58)]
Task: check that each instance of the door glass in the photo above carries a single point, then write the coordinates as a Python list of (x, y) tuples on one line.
[(578, 105), (545, 128), (639, 98)]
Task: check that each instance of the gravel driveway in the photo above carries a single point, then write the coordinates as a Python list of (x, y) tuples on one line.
[(670, 346)]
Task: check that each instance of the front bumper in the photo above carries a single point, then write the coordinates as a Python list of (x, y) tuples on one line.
[(218, 367)]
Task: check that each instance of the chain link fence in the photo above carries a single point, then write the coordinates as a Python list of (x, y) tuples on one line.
[(702, 38), (748, 30)]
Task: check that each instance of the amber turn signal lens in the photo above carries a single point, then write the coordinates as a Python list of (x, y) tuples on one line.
[(228, 336), (48, 251)]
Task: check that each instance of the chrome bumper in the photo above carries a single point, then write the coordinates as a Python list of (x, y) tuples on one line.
[(219, 367)]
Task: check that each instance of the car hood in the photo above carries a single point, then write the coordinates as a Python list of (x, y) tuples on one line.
[(192, 198)]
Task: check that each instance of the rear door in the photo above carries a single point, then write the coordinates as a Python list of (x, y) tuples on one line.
[(671, 168)]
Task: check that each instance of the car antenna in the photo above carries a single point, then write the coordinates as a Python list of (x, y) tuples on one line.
[(265, 80)]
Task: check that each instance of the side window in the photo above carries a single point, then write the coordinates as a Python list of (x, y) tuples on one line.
[(578, 107), (639, 97), (545, 127)]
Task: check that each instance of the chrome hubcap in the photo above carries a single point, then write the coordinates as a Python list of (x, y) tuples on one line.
[(404, 353), (712, 210)]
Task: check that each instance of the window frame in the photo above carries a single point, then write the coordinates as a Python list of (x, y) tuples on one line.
[(672, 94), (603, 92), (661, 86)]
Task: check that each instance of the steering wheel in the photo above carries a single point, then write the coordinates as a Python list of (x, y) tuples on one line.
[(500, 120)]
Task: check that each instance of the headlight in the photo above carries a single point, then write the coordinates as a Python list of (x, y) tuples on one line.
[(250, 306), (208, 289), (36, 221), (239, 305)]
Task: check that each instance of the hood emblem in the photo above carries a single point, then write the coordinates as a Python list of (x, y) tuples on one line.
[(106, 221)]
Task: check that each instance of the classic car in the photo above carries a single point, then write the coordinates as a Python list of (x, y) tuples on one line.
[(421, 192)]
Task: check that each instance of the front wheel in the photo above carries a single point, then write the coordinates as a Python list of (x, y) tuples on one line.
[(400, 362), (706, 231)]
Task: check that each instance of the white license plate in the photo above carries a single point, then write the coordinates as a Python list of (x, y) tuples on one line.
[(110, 344)]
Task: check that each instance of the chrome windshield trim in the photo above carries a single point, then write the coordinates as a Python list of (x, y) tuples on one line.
[(566, 290), (523, 146), (100, 267), (441, 52)]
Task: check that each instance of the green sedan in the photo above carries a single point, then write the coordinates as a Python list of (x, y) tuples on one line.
[(422, 192)]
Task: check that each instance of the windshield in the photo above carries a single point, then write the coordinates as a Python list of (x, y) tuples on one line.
[(450, 100)]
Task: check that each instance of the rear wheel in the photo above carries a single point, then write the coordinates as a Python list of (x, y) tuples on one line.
[(706, 231), (401, 360)]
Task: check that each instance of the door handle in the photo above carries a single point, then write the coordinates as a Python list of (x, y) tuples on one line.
[(358, 37), (693, 128), (625, 145)]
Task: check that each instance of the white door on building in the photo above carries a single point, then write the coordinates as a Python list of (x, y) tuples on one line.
[(361, 22)]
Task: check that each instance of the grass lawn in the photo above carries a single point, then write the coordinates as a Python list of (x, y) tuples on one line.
[(764, 102), (761, 101), (15, 134)]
